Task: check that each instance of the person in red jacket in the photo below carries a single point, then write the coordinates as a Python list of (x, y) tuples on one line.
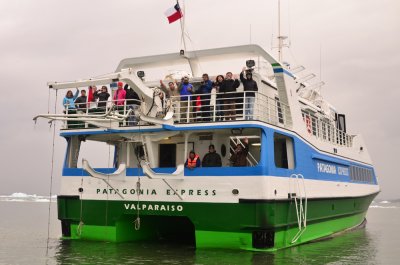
[(120, 95), (193, 160)]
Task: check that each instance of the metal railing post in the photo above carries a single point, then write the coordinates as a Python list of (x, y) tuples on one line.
[(188, 109), (124, 111), (244, 106)]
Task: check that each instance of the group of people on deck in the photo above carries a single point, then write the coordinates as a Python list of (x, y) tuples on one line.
[(180, 96), (226, 101), (100, 97), (213, 159)]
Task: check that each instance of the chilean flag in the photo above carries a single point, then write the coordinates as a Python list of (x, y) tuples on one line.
[(174, 13)]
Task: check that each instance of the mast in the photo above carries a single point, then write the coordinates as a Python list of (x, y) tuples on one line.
[(192, 64), (279, 32), (182, 22), (280, 37)]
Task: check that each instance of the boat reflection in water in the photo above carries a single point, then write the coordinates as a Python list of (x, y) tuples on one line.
[(355, 247)]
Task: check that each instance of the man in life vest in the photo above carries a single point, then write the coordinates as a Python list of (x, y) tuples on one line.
[(193, 161)]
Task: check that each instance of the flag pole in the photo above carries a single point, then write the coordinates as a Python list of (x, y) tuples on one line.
[(182, 22)]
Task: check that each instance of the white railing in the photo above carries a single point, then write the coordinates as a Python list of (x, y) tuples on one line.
[(100, 108), (213, 107), (229, 106), (326, 131)]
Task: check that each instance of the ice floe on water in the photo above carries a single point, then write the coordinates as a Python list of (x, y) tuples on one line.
[(23, 197), (385, 204), (382, 207)]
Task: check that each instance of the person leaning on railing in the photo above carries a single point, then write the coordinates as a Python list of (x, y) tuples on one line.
[(228, 86), (248, 85)]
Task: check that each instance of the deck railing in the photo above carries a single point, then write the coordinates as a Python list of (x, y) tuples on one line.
[(326, 131), (194, 108), (213, 107), (228, 107)]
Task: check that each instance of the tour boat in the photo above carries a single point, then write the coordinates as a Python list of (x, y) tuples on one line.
[(305, 177)]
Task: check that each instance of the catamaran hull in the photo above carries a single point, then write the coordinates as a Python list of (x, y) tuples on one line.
[(257, 224)]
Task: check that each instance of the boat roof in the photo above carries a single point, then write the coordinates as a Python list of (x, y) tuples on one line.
[(251, 50)]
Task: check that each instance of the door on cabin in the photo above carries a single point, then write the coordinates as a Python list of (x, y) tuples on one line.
[(167, 155)]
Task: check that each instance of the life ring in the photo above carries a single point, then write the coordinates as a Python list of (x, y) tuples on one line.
[(308, 124)]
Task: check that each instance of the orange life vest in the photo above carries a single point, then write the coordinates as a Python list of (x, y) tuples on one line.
[(192, 163)]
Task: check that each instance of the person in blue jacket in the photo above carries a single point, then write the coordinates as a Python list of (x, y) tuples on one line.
[(185, 90), (205, 90), (69, 99)]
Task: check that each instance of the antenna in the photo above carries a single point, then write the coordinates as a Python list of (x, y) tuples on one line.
[(280, 37), (182, 22), (182, 53), (279, 32)]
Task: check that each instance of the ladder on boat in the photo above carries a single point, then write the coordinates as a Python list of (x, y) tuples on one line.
[(237, 140), (297, 192)]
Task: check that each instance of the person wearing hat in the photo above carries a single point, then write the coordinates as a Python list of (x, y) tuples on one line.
[(211, 159), (193, 160), (120, 95), (248, 85)]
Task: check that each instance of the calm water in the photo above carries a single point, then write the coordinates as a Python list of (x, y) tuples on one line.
[(23, 238)]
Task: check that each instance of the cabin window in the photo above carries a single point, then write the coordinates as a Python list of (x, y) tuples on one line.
[(283, 151), (167, 155), (98, 154), (171, 151), (73, 148), (279, 109), (360, 174)]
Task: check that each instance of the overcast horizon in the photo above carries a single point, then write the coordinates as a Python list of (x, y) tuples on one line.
[(353, 46)]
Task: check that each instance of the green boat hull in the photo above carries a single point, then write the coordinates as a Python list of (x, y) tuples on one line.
[(264, 225)]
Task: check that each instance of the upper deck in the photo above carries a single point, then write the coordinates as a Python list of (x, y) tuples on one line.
[(198, 110), (277, 101)]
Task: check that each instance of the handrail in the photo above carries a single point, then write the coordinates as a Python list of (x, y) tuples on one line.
[(211, 107), (300, 199), (326, 131)]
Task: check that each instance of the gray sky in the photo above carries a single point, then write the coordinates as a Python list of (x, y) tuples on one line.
[(45, 40)]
